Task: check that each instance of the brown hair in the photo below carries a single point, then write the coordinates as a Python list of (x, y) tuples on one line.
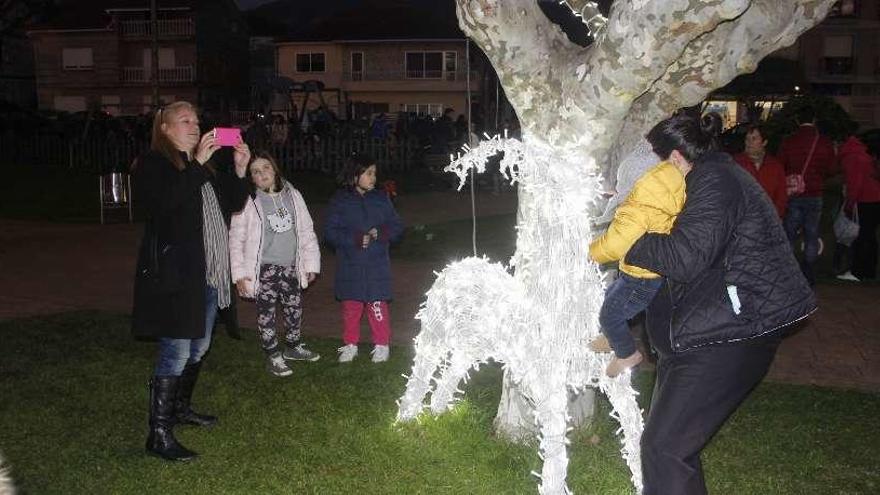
[(756, 128), (354, 167), (265, 155), (160, 143)]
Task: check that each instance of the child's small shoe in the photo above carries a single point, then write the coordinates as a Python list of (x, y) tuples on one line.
[(300, 353), (619, 365), (276, 365), (347, 353), (600, 344), (380, 353)]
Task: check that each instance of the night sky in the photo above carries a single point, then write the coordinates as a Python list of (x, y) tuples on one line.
[(249, 4)]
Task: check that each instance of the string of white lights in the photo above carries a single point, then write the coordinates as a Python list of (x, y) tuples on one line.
[(589, 12), (538, 320)]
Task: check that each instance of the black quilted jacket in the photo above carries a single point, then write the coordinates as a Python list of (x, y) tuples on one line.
[(730, 271)]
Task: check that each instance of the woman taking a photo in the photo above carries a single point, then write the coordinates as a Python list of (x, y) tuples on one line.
[(731, 283), (182, 273)]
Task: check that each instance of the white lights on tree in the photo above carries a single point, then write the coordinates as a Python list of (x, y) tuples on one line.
[(477, 311), (589, 13), (580, 110)]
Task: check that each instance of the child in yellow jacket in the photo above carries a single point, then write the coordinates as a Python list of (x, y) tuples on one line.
[(652, 206)]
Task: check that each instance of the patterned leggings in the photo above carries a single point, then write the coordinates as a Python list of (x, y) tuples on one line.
[(278, 284)]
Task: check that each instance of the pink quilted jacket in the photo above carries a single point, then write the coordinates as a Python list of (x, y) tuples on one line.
[(246, 241)]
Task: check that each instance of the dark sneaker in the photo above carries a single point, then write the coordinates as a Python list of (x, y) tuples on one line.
[(276, 365), (300, 353)]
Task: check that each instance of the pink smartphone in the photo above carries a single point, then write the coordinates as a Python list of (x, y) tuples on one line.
[(227, 136)]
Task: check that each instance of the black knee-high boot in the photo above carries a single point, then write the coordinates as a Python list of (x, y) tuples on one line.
[(160, 440), (182, 410)]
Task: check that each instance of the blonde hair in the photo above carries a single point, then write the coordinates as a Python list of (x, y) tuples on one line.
[(159, 142)]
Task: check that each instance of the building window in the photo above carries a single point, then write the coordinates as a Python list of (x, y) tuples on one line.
[(431, 65), (421, 109), (844, 8), (357, 66), (424, 65), (77, 59), (449, 65), (166, 59), (310, 62), (70, 103), (837, 55)]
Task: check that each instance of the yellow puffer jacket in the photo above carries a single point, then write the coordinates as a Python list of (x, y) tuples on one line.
[(652, 205)]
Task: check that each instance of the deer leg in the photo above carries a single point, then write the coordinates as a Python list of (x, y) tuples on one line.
[(627, 412), (551, 411), (418, 385), (455, 371)]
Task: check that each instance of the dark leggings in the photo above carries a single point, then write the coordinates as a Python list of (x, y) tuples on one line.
[(278, 284)]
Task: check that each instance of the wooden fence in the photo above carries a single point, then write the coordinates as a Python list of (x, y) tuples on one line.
[(102, 155)]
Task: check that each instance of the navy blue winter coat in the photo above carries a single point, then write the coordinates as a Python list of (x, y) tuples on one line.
[(362, 274)]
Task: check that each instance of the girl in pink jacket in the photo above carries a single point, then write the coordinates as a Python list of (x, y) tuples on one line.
[(274, 254)]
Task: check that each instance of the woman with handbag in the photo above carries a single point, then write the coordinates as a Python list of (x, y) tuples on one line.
[(809, 159), (731, 283), (183, 274), (862, 205)]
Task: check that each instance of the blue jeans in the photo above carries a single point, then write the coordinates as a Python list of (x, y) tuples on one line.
[(804, 214), (625, 298), (175, 354)]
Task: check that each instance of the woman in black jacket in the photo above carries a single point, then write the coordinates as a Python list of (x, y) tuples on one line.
[(731, 284), (182, 273)]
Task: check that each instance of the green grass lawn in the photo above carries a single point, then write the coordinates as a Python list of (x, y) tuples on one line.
[(74, 410)]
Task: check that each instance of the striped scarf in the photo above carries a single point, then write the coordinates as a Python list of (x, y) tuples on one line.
[(216, 239)]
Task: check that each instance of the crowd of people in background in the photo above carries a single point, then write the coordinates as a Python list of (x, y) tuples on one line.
[(715, 234), (794, 179), (437, 134)]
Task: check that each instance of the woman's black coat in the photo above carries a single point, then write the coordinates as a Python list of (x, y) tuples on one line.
[(169, 287), (730, 271)]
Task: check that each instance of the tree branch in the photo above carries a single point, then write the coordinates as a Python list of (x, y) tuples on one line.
[(523, 45), (716, 57), (643, 38)]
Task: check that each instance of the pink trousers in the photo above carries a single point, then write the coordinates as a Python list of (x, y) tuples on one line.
[(377, 315)]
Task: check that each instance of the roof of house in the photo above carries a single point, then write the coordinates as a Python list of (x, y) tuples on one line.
[(93, 14)]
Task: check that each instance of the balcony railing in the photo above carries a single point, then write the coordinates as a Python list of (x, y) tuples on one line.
[(184, 73), (406, 75), (183, 27)]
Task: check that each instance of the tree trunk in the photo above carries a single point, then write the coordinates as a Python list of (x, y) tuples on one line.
[(587, 107), (515, 420)]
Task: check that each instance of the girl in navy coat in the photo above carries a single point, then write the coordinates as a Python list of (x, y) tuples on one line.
[(360, 224)]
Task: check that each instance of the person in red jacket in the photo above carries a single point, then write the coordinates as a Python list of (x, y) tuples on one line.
[(765, 168), (810, 154), (862, 193)]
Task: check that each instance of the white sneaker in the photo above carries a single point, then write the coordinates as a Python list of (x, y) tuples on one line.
[(347, 353), (848, 276), (380, 353)]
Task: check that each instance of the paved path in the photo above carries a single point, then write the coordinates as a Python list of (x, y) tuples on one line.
[(48, 268)]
